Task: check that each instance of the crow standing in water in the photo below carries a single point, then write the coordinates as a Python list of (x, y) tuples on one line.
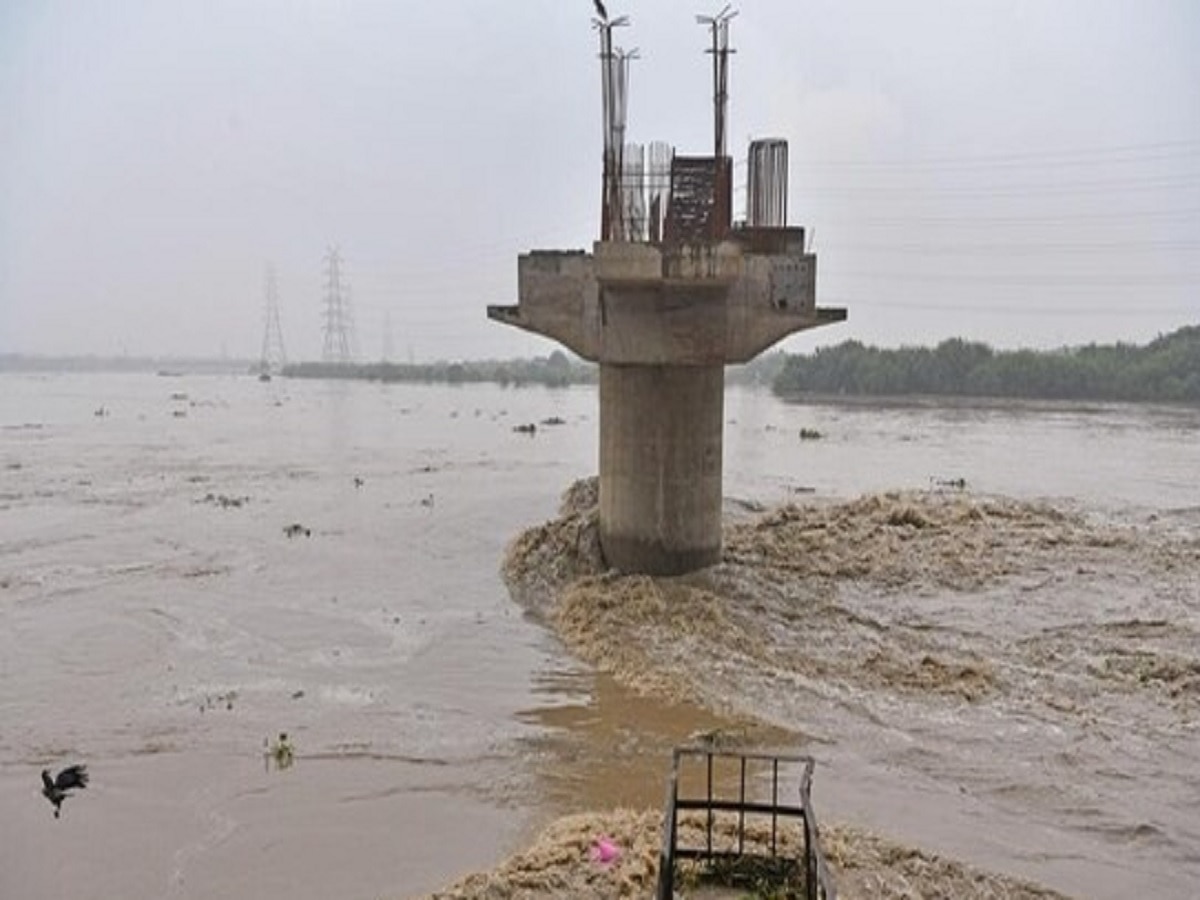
[(55, 789)]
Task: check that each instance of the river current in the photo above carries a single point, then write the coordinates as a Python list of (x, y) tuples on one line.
[(192, 566)]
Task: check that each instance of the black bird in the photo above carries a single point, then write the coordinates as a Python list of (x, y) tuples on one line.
[(55, 789), (600, 10)]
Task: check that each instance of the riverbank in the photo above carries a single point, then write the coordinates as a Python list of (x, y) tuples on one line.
[(1031, 669)]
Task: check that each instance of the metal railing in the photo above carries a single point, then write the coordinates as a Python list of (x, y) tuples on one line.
[(769, 856)]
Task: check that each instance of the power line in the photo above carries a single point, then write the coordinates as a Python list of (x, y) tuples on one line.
[(1013, 249), (1045, 281), (1030, 189), (1054, 219), (499, 251), (1007, 309), (1090, 156)]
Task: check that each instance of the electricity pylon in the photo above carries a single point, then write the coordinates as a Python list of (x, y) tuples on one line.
[(273, 352), (339, 321), (389, 347)]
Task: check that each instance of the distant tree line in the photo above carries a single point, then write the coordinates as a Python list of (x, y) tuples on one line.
[(555, 370), (1165, 370)]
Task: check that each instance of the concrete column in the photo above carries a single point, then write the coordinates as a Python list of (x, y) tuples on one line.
[(661, 431)]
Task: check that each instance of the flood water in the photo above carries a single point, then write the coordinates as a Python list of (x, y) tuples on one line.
[(159, 623)]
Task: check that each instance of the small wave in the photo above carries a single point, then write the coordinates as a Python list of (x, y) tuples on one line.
[(1128, 833), (1138, 627), (347, 695), (361, 750)]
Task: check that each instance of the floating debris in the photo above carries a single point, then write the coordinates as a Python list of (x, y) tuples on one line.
[(605, 850), (810, 434), (554, 864), (954, 484), (297, 530), (280, 752), (218, 701), (528, 428), (225, 501)]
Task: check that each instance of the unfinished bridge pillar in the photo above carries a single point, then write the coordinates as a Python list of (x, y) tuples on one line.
[(663, 320), (671, 293)]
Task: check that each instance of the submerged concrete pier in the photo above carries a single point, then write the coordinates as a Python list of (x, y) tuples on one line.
[(660, 466), (663, 321), (671, 294)]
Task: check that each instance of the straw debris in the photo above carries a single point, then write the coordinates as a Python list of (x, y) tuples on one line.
[(866, 867)]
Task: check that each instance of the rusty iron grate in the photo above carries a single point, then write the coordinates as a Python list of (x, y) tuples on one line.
[(748, 860)]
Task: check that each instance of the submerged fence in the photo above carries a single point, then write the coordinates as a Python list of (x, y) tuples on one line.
[(735, 843)]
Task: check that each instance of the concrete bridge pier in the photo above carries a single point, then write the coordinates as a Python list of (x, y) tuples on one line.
[(663, 321), (661, 430)]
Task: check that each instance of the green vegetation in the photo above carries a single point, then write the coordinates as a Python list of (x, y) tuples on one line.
[(555, 370), (1165, 370), (281, 752), (755, 877)]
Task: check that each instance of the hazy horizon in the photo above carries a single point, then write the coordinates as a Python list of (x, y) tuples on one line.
[(1021, 173), (542, 351)]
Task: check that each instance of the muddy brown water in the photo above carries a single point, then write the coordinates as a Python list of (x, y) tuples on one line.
[(157, 623)]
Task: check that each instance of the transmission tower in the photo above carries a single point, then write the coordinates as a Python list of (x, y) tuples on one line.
[(389, 345), (339, 321), (273, 353)]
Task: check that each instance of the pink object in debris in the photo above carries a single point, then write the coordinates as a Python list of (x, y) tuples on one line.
[(605, 851)]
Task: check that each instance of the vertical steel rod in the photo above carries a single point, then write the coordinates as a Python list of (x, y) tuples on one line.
[(710, 800), (774, 801), (742, 811)]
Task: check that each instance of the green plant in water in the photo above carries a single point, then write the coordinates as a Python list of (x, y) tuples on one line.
[(280, 752), (761, 878)]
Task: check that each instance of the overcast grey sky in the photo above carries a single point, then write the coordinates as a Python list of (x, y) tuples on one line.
[(1025, 172)]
